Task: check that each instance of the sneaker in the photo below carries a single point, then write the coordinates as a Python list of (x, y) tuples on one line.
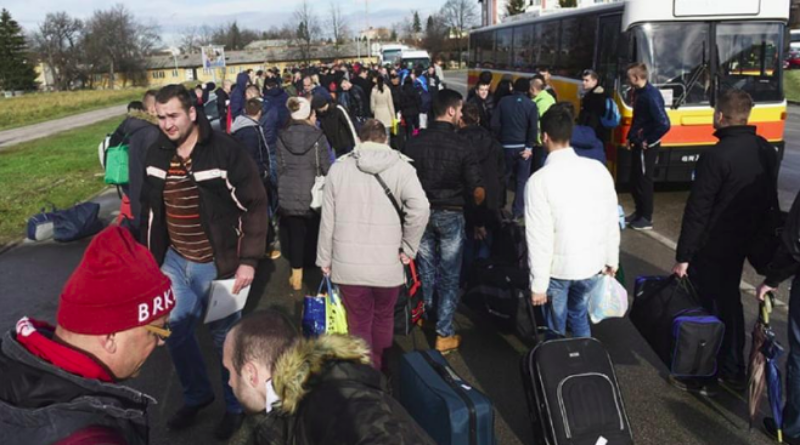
[(230, 423), (641, 224), (185, 416), (736, 384), (446, 345), (631, 218), (772, 431), (691, 385)]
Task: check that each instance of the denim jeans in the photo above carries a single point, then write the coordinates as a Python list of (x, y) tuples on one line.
[(568, 302), (791, 412), (522, 169), (191, 283), (439, 262)]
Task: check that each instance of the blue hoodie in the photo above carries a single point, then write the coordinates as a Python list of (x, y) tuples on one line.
[(586, 144), (274, 116), (237, 95)]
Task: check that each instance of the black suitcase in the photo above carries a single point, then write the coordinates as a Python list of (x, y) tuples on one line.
[(500, 291), (573, 395), (670, 318)]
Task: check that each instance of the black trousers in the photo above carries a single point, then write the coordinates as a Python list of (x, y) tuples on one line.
[(298, 238), (717, 283), (643, 165)]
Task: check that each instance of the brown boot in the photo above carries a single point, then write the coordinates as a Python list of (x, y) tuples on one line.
[(296, 280), (446, 345)]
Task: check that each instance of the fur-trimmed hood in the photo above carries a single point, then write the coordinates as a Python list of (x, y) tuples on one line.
[(308, 359), (143, 115)]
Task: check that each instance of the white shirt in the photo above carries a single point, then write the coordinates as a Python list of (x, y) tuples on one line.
[(571, 219)]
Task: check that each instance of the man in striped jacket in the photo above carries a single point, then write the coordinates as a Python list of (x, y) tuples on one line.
[(204, 218)]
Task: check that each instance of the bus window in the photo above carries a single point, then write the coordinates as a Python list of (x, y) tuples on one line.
[(487, 49), (503, 52), (577, 45), (548, 44), (608, 52), (523, 44), (749, 57), (677, 57)]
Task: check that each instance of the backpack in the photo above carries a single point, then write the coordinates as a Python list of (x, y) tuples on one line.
[(611, 118)]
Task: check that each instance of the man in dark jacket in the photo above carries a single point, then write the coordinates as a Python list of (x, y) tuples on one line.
[(238, 95), (516, 123), (353, 99), (485, 103), (449, 172), (246, 129), (336, 124), (482, 221), (315, 391), (223, 101), (207, 220), (650, 124), (364, 82), (593, 105), (61, 384), (785, 264), (732, 192)]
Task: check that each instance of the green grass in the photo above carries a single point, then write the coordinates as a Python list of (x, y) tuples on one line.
[(40, 107), (791, 85), (62, 169)]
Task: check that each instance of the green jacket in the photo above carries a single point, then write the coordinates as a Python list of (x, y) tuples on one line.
[(543, 103)]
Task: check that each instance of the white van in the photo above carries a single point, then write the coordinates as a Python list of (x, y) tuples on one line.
[(390, 53), (794, 40), (412, 59)]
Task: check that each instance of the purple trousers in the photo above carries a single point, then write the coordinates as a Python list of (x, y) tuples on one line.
[(370, 315)]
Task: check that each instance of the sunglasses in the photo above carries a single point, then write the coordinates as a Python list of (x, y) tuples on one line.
[(162, 332)]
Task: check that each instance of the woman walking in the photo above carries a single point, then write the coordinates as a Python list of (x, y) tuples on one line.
[(363, 241), (382, 104), (303, 153)]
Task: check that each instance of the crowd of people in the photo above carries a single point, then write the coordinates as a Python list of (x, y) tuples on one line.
[(359, 170)]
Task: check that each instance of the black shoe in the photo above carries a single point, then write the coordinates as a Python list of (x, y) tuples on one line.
[(736, 384), (691, 385), (641, 224), (631, 218), (185, 416), (772, 431), (231, 422)]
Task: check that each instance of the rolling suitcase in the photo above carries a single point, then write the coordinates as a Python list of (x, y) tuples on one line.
[(573, 395), (669, 316), (449, 409)]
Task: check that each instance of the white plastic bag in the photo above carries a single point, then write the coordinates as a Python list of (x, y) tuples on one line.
[(317, 190), (610, 300)]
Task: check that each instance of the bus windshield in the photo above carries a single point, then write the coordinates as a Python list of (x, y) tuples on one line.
[(390, 55), (423, 62), (678, 56)]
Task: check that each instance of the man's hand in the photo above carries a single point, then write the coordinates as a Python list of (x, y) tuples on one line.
[(405, 259), (326, 271), (763, 289), (527, 153), (680, 270), (538, 299), (644, 145), (480, 233), (610, 271), (244, 277)]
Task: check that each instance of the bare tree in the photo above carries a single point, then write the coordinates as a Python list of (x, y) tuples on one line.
[(58, 43), (307, 29), (435, 34), (337, 25), (459, 16)]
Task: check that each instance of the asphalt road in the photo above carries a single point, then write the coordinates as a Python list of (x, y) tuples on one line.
[(31, 277), (15, 136)]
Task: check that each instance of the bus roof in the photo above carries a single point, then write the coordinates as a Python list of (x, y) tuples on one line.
[(393, 47), (556, 15), (415, 54)]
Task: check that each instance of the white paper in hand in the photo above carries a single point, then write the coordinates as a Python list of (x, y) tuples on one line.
[(222, 302)]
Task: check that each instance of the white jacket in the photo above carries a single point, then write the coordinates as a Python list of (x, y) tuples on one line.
[(571, 220)]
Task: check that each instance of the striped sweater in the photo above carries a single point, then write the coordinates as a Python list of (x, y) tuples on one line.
[(182, 201)]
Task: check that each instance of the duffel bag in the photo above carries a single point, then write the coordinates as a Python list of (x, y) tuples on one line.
[(77, 222), (40, 226)]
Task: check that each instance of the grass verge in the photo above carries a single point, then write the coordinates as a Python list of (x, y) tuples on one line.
[(62, 169), (791, 85), (40, 107)]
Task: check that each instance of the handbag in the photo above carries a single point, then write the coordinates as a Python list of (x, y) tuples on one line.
[(410, 307), (318, 188), (610, 300), (324, 313)]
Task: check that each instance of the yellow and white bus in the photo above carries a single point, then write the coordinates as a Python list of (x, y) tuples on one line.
[(694, 50)]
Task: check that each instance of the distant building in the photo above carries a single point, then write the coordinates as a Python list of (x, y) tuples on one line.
[(494, 11), (794, 15)]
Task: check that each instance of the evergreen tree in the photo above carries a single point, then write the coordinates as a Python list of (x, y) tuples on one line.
[(16, 70), (514, 7), (417, 26), (568, 3)]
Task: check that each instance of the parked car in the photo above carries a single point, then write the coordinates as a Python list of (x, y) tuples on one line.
[(210, 108), (792, 60)]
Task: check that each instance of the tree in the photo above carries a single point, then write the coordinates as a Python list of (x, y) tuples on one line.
[(232, 37), (568, 3), (458, 16), (417, 24), (190, 40), (514, 7), (16, 68), (308, 30), (337, 25), (435, 33), (57, 42), (393, 35)]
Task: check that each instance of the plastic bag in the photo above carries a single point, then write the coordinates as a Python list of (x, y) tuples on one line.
[(610, 300), (324, 313)]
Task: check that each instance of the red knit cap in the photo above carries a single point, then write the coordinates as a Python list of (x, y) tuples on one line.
[(116, 287)]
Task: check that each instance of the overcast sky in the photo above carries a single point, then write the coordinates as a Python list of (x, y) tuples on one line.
[(174, 15)]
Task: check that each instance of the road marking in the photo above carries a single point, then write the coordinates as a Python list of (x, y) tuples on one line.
[(672, 245)]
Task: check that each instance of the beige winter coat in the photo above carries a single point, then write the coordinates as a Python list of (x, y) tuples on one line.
[(382, 105), (360, 236)]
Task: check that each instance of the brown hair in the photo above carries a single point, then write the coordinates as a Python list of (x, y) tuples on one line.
[(261, 337), (735, 106), (470, 114), (252, 107), (373, 130), (638, 69)]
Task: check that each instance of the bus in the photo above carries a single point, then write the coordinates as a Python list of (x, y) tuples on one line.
[(390, 53), (694, 51)]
